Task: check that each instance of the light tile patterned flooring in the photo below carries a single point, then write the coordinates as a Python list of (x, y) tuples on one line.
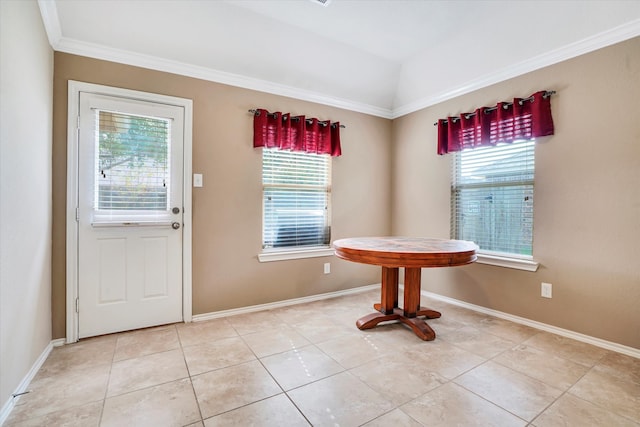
[(309, 365)]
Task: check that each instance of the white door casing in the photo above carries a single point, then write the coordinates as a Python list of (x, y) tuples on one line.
[(127, 266), (129, 180)]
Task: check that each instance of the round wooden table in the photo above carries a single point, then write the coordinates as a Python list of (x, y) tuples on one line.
[(413, 254)]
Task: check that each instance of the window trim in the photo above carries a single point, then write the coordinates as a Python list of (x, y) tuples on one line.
[(270, 255), (305, 251), (495, 258), (501, 259), (489, 255)]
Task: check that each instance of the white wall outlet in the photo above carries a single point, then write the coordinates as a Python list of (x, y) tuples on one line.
[(197, 180), (327, 268), (545, 290)]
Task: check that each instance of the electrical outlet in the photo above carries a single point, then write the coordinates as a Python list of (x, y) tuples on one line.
[(545, 290), (327, 268)]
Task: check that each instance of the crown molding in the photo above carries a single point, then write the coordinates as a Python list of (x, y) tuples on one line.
[(59, 43), (51, 21), (49, 13), (606, 38), (101, 52)]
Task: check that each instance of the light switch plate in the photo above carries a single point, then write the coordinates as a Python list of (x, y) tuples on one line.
[(197, 180)]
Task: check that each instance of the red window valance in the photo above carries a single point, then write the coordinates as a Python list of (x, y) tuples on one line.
[(524, 118), (295, 133)]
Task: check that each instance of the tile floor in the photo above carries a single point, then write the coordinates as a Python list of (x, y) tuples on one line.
[(309, 365)]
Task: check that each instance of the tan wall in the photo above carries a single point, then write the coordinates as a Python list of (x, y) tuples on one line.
[(587, 215), (227, 210), (587, 198)]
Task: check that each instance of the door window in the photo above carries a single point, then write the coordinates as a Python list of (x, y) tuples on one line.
[(132, 155)]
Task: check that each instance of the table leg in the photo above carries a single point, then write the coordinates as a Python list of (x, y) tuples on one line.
[(411, 291), (389, 291), (387, 309)]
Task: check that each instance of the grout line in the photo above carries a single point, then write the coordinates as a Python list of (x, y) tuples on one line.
[(576, 336), (298, 409), (549, 405), (193, 390), (492, 403), (282, 388), (491, 359), (316, 346), (106, 389)]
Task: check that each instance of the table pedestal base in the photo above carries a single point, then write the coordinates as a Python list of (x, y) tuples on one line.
[(419, 326), (388, 309)]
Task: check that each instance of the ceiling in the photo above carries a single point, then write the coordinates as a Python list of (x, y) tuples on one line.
[(381, 57)]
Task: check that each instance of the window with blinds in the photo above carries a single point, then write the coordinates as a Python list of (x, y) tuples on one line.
[(492, 197), (296, 199), (132, 162)]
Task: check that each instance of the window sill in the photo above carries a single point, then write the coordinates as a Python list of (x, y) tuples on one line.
[(295, 254), (526, 264)]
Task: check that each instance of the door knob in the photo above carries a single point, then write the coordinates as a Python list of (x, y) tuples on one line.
[(176, 210), (175, 225)]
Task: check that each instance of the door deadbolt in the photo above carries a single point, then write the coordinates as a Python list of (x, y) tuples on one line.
[(176, 210), (175, 225)]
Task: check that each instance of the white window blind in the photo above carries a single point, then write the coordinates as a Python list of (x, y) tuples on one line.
[(132, 162), (492, 197), (296, 199)]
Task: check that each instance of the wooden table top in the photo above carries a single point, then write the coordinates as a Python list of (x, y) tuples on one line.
[(411, 252)]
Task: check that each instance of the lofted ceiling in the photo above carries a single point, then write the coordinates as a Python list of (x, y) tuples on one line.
[(381, 57)]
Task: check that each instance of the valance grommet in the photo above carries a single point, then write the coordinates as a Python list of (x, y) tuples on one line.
[(516, 120), (284, 132)]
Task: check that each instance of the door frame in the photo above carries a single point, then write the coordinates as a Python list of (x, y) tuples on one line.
[(73, 115)]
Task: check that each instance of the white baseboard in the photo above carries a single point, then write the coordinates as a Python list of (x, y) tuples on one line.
[(284, 303), (629, 351), (619, 348), (24, 384)]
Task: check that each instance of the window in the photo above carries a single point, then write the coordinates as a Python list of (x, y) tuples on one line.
[(296, 199), (132, 162), (492, 197)]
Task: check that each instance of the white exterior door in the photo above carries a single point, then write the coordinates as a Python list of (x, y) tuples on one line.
[(130, 214)]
